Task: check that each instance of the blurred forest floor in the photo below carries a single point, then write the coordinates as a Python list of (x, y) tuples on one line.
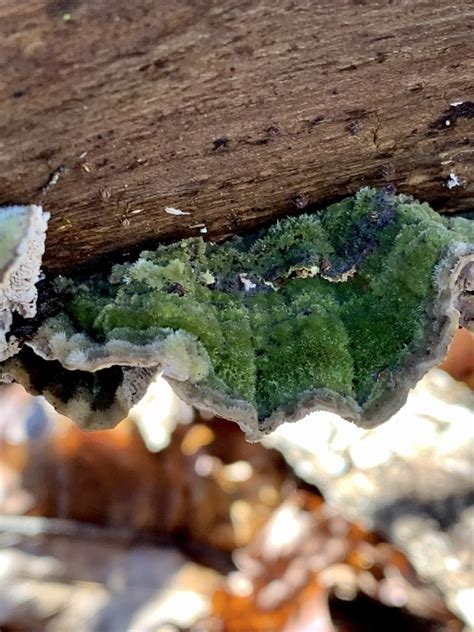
[(172, 522)]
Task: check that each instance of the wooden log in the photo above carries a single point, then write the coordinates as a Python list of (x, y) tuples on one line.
[(234, 111)]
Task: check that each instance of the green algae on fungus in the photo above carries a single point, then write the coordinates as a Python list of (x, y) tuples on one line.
[(342, 310)]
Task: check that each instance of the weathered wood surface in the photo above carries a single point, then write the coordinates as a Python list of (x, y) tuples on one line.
[(233, 110)]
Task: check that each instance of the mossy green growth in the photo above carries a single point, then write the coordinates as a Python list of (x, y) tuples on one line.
[(322, 310)]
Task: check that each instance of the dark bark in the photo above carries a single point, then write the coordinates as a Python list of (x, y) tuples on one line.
[(234, 111)]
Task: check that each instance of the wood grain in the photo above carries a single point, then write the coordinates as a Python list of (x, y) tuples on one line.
[(234, 111)]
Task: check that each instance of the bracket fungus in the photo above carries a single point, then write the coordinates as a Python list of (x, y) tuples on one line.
[(341, 310), (22, 237)]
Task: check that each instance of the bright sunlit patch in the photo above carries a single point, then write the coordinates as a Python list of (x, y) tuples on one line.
[(157, 414)]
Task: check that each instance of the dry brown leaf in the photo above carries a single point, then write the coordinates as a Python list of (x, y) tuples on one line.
[(307, 564), (208, 485)]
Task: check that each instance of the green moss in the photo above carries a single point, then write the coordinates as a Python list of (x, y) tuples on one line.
[(386, 321), (234, 362), (296, 243), (269, 345), (335, 301), (298, 328), (339, 219)]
